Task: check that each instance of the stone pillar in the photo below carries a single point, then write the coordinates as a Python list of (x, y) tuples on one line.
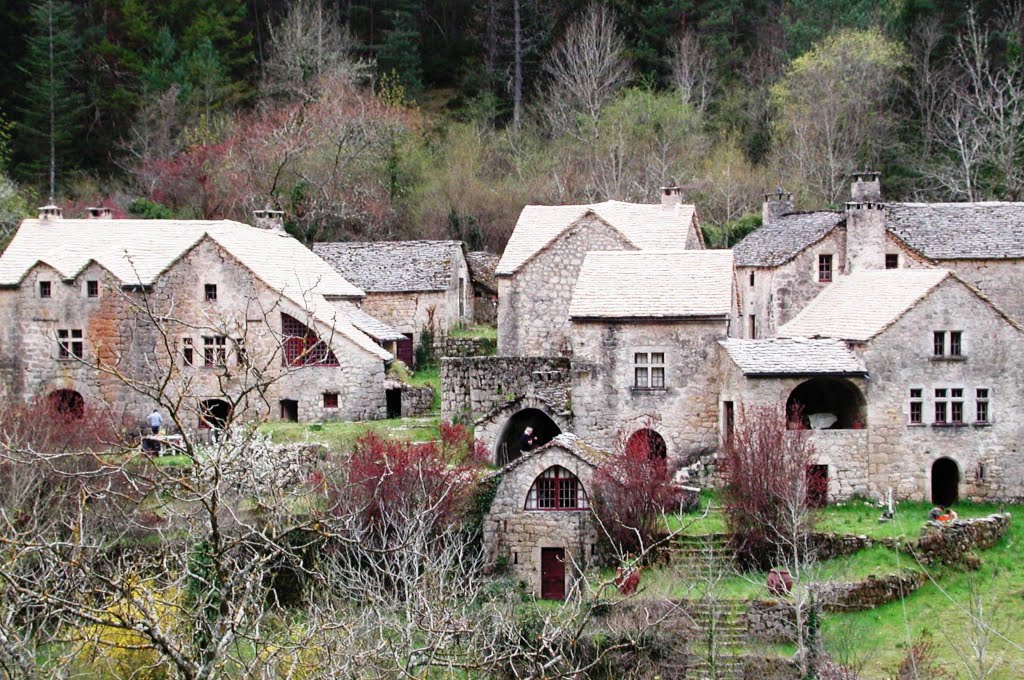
[(865, 236), (776, 205)]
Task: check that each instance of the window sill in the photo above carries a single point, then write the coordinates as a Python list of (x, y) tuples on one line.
[(987, 423), (949, 358), (917, 425), (70, 360), (557, 510), (648, 390), (950, 425)]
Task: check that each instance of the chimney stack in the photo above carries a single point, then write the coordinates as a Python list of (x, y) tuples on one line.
[(272, 220), (50, 213), (671, 196), (866, 187), (101, 212), (776, 205)]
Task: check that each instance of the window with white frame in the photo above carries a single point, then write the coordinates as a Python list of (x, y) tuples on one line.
[(956, 405), (649, 370), (916, 406), (215, 350), (947, 344), (941, 405), (70, 343)]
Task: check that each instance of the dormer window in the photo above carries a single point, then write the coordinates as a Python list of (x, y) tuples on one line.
[(211, 292), (44, 289), (92, 289)]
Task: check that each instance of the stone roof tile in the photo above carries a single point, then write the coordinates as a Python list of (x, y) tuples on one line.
[(654, 284), (793, 356), (949, 231), (779, 242), (393, 266), (481, 267)]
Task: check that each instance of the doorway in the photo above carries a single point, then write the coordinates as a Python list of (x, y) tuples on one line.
[(945, 481), (552, 573), (405, 350), (394, 401), (214, 413), (817, 486), (509, 445), (290, 410)]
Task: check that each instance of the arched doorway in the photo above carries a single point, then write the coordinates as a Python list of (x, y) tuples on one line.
[(826, 404), (214, 413), (67, 404), (945, 481), (544, 430), (647, 442)]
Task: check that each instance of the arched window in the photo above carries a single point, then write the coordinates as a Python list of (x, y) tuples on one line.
[(647, 443), (302, 346), (556, 489)]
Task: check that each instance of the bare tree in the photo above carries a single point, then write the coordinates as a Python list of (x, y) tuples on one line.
[(693, 70), (584, 71)]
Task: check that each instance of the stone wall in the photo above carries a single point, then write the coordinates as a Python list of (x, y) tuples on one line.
[(515, 536), (874, 591), (770, 621), (954, 542), (447, 346), (473, 387), (1000, 280), (533, 305), (119, 331), (416, 401)]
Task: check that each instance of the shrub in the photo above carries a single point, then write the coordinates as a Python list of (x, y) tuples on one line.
[(460, 446), (55, 425)]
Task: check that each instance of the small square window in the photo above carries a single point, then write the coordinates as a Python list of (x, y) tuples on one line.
[(44, 289), (824, 268), (649, 370), (916, 406), (92, 289), (70, 343), (892, 261), (211, 292), (330, 400)]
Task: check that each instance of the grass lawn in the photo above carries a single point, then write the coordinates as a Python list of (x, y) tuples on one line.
[(341, 435), (429, 376), (474, 331)]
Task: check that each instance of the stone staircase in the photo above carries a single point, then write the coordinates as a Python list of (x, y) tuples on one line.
[(699, 557), (718, 640)]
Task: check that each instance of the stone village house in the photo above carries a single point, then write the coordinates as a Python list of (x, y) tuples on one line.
[(410, 285), (218, 306)]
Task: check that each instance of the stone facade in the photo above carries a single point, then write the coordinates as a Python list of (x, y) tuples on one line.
[(118, 332), (533, 305), (515, 536), (413, 312), (607, 407), (1000, 280), (475, 387)]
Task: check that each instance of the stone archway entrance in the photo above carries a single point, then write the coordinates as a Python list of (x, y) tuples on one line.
[(945, 481), (66, 403), (648, 443), (214, 413), (508, 446), (826, 404)]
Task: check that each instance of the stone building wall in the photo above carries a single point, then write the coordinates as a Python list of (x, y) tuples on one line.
[(410, 312), (1001, 280), (606, 406), (473, 387), (118, 331), (533, 305), (515, 536), (990, 457), (447, 346)]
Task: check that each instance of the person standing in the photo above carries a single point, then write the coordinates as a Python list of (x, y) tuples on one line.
[(527, 440), (155, 420)]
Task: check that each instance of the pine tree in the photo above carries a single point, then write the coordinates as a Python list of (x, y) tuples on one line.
[(400, 52), (50, 107)]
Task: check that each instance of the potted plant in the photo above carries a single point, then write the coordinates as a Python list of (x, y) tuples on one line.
[(780, 582)]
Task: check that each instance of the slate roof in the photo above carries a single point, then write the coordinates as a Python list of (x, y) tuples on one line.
[(654, 284), (793, 356), (949, 231), (139, 251), (393, 266), (586, 452), (481, 267), (372, 326), (779, 242), (861, 305), (647, 227)]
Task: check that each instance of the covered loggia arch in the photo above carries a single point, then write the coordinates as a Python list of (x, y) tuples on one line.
[(826, 404), (500, 430), (945, 476), (68, 404), (214, 413)]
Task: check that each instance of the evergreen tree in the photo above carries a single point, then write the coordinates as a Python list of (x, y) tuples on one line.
[(400, 52), (50, 106)]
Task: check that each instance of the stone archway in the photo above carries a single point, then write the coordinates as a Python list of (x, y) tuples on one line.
[(826, 404), (507, 447), (68, 404), (649, 443), (945, 481)]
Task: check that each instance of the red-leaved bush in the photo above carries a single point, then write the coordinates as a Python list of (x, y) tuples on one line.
[(392, 480), (769, 487), (630, 492), (460, 445), (54, 425)]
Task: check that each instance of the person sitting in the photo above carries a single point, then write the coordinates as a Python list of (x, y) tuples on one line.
[(528, 440), (935, 513)]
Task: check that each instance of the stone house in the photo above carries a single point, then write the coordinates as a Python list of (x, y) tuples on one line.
[(410, 285), (645, 328), (784, 264), (924, 400), (540, 264), (482, 266), (238, 318), (539, 525)]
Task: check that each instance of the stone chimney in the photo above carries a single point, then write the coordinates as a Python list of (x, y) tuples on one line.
[(271, 220), (671, 196), (865, 235), (866, 187), (50, 213), (101, 212), (776, 205)]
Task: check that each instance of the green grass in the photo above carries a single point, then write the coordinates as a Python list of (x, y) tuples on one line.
[(474, 331), (341, 435), (429, 376)]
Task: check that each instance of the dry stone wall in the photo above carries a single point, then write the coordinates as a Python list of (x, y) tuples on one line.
[(473, 387), (953, 542)]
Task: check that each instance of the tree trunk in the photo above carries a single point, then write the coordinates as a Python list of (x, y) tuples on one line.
[(517, 78)]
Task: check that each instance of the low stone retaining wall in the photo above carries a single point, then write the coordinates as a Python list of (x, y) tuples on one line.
[(447, 346), (873, 591), (472, 387), (954, 542), (771, 621), (828, 546)]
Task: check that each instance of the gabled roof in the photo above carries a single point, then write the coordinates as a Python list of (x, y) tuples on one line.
[(586, 452), (481, 268), (653, 284), (372, 326), (793, 356), (393, 266), (647, 227), (778, 242), (950, 231), (137, 252), (860, 306)]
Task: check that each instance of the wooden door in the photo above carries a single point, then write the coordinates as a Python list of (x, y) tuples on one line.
[(552, 573), (405, 350)]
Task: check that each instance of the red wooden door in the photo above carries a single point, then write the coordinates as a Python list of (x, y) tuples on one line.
[(552, 573), (405, 353)]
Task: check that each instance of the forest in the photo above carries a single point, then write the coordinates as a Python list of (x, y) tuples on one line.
[(400, 119)]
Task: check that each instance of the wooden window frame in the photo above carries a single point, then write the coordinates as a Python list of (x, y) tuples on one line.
[(92, 289), (215, 351), (45, 290), (825, 270), (892, 261), (916, 414), (210, 292), (70, 344), (556, 490), (982, 406), (649, 371)]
